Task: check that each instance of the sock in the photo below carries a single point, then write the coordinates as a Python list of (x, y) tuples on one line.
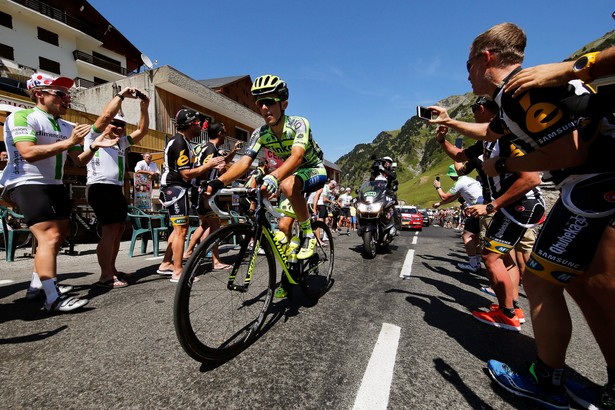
[(516, 304), (35, 283), (509, 312), (475, 261), (546, 376), (49, 286), (306, 228)]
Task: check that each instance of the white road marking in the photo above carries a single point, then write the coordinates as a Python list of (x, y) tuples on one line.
[(416, 233), (415, 240), (406, 269), (376, 385), (6, 281), (154, 258)]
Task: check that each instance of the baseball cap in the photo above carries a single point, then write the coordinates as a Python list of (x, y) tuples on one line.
[(451, 171), (46, 80), (186, 116), (333, 182), (348, 189)]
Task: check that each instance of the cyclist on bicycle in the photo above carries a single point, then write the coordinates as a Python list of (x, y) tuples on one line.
[(290, 138)]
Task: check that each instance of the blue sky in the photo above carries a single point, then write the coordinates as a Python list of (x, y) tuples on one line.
[(354, 68)]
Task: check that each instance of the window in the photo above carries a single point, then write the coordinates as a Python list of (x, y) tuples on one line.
[(48, 36), (6, 20), (241, 134), (106, 62), (49, 65), (6, 52), (99, 81)]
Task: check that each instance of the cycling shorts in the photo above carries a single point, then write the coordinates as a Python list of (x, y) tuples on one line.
[(41, 203), (345, 212), (566, 244), (176, 202), (312, 178), (472, 224), (108, 203), (322, 211), (509, 224)]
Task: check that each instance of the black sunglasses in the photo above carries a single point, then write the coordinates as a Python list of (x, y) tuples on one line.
[(57, 93), (469, 62), (268, 101)]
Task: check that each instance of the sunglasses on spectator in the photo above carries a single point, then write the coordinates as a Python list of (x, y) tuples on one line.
[(56, 93), (267, 101), (475, 107), (469, 62), (118, 124)]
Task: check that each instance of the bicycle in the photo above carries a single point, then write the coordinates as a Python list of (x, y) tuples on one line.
[(218, 313)]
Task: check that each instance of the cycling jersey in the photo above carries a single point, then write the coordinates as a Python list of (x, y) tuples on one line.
[(540, 116), (107, 164), (37, 126), (475, 161), (203, 153), (503, 147), (177, 157), (296, 132)]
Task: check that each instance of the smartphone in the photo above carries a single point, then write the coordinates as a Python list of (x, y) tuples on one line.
[(459, 142), (423, 112), (140, 95), (437, 178)]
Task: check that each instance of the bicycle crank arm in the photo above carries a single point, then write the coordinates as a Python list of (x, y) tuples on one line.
[(239, 288)]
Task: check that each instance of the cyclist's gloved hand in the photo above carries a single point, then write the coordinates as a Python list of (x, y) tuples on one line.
[(270, 183), (214, 186)]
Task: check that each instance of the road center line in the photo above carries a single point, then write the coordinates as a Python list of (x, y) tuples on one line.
[(415, 240), (376, 385), (406, 269)]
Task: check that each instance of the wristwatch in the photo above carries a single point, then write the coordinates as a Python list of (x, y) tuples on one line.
[(500, 165), (583, 66), (490, 208)]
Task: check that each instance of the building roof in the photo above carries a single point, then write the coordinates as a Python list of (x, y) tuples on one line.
[(222, 81)]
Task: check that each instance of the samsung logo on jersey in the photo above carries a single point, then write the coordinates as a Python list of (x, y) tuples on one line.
[(570, 233), (564, 129)]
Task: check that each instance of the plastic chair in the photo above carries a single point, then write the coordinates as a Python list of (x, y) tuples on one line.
[(143, 227), (10, 234)]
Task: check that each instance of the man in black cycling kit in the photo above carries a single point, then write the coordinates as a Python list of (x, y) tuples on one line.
[(290, 138)]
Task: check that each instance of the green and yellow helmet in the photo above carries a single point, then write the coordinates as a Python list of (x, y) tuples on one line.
[(270, 84)]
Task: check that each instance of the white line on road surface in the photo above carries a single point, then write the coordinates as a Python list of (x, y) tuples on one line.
[(6, 281), (376, 385), (416, 233), (415, 240), (406, 270)]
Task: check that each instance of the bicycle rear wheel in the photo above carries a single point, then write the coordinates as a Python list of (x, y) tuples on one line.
[(317, 270), (214, 320)]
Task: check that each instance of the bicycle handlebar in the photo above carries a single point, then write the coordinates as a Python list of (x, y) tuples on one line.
[(243, 192)]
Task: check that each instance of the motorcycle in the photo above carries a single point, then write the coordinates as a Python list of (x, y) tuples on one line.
[(378, 223)]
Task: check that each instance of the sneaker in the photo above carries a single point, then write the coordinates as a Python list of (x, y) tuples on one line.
[(497, 318), (280, 293), (590, 396), (307, 251), (518, 312), (65, 304), (524, 384), (467, 267), (37, 293)]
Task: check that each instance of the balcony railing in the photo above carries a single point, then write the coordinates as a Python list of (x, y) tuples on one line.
[(99, 62), (83, 83), (61, 16)]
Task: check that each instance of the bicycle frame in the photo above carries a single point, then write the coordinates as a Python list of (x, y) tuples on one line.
[(261, 228)]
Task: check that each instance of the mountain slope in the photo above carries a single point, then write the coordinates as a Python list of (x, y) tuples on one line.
[(418, 155)]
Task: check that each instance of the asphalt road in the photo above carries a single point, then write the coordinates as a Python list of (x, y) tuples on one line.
[(374, 340)]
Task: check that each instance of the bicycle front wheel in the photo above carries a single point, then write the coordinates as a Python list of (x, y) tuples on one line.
[(218, 311), (317, 270)]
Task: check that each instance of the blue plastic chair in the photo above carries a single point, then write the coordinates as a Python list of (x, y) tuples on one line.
[(11, 234), (142, 226)]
